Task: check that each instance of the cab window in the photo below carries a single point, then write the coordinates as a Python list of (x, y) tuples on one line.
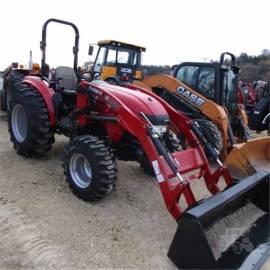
[(122, 57), (206, 82), (188, 75), (100, 59), (101, 55), (111, 57), (230, 82), (201, 79), (133, 58), (127, 57)]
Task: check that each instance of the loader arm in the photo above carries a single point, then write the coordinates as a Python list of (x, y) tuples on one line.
[(211, 110)]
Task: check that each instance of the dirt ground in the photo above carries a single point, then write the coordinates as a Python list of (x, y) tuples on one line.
[(44, 226)]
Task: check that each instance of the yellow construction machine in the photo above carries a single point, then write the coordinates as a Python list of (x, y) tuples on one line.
[(117, 62)]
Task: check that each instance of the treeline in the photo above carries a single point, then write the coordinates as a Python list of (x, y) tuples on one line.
[(255, 67), (151, 69), (252, 67)]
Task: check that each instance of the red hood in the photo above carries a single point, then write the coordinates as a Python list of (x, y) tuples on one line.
[(135, 100)]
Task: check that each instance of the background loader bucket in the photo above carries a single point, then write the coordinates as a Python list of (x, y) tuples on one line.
[(227, 229), (249, 157)]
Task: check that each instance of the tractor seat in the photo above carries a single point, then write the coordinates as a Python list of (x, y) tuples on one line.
[(67, 79)]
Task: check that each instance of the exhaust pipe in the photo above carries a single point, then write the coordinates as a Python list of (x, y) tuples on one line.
[(226, 231)]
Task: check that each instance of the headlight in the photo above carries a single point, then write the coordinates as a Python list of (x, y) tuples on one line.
[(160, 129)]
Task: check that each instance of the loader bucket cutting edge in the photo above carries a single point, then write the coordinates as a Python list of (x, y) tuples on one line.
[(237, 219), (249, 157)]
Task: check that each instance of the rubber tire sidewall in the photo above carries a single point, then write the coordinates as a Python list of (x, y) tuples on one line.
[(23, 146), (13, 85), (3, 100), (92, 192), (40, 135), (93, 164)]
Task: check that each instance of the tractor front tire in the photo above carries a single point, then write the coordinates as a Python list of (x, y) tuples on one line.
[(29, 126), (90, 168)]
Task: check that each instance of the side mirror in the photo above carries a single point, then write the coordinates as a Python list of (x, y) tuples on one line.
[(90, 50)]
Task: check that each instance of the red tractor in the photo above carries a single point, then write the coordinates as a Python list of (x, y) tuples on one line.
[(107, 121)]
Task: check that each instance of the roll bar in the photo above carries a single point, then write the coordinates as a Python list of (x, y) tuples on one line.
[(222, 58), (43, 43)]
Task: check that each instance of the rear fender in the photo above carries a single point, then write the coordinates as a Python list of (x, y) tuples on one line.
[(45, 91)]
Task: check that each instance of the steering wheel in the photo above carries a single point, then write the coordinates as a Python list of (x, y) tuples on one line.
[(111, 81), (206, 89), (210, 92), (95, 75)]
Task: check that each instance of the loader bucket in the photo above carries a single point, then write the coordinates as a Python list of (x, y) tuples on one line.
[(249, 157), (226, 231)]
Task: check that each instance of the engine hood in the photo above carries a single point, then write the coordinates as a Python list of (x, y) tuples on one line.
[(137, 102)]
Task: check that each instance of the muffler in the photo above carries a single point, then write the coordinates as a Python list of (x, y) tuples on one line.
[(226, 231)]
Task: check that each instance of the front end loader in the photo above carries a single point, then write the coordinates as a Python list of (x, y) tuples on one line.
[(204, 238), (105, 121)]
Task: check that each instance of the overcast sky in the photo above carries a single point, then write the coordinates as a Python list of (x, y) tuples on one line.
[(171, 30)]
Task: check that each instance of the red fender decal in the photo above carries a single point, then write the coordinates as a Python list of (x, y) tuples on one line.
[(46, 92)]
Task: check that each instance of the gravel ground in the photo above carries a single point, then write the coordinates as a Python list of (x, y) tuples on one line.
[(44, 226)]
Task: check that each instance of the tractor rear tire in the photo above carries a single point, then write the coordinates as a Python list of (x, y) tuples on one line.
[(3, 100), (211, 133), (12, 87), (29, 126), (90, 168)]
